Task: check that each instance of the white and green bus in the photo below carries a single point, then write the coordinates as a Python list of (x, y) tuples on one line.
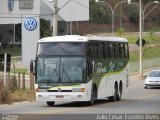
[(79, 68)]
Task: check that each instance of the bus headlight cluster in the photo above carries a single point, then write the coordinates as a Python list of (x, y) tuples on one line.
[(78, 89), (41, 90)]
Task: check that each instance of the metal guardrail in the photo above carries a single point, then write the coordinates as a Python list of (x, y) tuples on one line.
[(149, 63)]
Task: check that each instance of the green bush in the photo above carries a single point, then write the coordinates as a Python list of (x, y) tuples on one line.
[(134, 17), (44, 28), (99, 13), (120, 31)]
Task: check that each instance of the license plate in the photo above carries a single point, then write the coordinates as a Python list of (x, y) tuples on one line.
[(60, 96)]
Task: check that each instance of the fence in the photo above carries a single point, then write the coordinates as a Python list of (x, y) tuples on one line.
[(149, 63), (18, 77)]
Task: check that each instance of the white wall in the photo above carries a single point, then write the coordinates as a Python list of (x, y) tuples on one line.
[(30, 38), (29, 42)]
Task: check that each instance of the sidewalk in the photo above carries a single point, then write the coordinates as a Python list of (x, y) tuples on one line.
[(134, 77)]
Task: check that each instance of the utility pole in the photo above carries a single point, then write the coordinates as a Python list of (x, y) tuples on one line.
[(55, 18), (5, 69), (140, 39)]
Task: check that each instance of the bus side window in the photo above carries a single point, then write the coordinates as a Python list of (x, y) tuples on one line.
[(94, 51), (100, 50), (116, 50), (101, 47), (119, 51), (126, 50), (122, 50), (104, 51), (107, 50), (111, 50), (89, 50)]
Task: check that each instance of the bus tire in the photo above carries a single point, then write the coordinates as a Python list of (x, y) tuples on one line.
[(50, 103), (119, 92), (114, 97)]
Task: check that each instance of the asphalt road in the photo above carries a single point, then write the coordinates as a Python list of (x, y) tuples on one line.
[(136, 100)]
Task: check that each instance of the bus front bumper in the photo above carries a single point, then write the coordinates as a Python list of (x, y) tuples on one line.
[(65, 96)]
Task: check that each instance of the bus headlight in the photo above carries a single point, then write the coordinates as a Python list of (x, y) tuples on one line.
[(41, 90), (78, 89)]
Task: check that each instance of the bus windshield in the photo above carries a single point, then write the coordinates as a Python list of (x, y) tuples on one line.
[(61, 48), (60, 70)]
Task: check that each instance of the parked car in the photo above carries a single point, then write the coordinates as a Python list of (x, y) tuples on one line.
[(152, 79)]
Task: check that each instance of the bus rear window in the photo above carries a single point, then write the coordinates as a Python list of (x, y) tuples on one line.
[(61, 48)]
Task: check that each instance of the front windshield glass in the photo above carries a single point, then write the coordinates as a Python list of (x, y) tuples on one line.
[(60, 48), (63, 70), (154, 74)]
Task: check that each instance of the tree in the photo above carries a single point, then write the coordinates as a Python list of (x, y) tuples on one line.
[(44, 28), (99, 13)]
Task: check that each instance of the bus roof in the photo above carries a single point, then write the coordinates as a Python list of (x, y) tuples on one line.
[(78, 38)]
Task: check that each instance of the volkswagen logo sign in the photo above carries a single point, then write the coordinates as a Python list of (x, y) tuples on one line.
[(30, 24), (59, 89)]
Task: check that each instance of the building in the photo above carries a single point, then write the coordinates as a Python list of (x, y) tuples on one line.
[(20, 21)]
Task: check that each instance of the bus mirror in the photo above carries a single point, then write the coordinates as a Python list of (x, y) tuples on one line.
[(32, 67)]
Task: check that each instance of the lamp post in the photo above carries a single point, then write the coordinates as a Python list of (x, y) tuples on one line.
[(55, 17), (121, 15), (140, 39), (154, 2)]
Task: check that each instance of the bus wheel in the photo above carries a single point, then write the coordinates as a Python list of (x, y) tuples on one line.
[(93, 97), (119, 92), (114, 97), (50, 103)]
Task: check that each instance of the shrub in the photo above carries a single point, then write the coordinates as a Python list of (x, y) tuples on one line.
[(120, 31), (5, 95), (134, 17)]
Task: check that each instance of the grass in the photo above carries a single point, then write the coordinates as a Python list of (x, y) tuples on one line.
[(152, 52), (20, 95), (148, 53), (11, 93), (14, 51), (150, 38), (132, 39), (154, 29), (20, 70)]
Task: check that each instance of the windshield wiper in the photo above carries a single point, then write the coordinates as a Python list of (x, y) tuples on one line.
[(63, 70)]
